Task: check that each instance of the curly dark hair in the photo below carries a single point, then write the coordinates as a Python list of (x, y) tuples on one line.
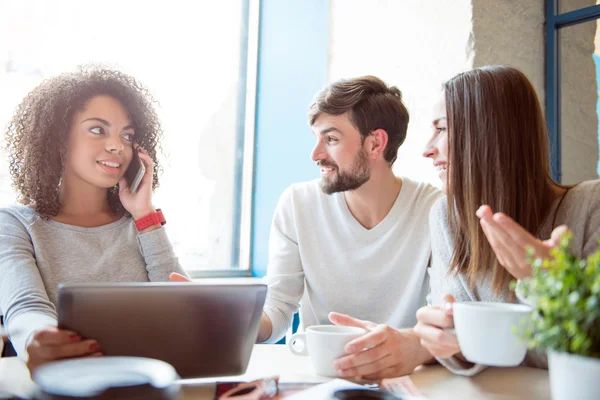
[(39, 129)]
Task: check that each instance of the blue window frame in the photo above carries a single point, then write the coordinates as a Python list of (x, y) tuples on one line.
[(554, 22)]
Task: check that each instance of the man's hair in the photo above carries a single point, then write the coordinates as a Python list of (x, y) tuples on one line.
[(371, 105), (36, 136)]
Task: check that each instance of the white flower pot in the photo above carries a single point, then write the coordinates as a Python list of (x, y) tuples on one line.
[(573, 376)]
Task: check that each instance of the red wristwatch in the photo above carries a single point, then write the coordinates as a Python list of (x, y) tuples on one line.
[(151, 219)]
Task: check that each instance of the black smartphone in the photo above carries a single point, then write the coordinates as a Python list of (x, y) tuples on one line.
[(135, 172)]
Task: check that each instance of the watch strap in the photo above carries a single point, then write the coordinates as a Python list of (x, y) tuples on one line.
[(154, 218)]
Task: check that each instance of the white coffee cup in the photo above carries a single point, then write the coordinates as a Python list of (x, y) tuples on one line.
[(324, 343), (486, 332)]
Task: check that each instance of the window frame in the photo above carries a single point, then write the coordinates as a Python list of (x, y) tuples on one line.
[(244, 169), (554, 22)]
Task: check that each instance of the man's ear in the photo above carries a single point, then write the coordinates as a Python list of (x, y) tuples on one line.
[(376, 143)]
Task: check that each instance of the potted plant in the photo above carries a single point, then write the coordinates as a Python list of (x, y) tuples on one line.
[(565, 293)]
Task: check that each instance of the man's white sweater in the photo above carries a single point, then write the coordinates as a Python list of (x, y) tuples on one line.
[(321, 257)]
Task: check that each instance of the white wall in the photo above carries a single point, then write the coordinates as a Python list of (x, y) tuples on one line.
[(416, 45), (413, 44)]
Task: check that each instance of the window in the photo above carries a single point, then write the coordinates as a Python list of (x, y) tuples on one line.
[(572, 88), (199, 61)]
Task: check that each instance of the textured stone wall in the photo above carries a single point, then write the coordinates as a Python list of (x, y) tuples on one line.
[(511, 33)]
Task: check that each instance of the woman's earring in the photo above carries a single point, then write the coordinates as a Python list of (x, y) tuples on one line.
[(62, 169)]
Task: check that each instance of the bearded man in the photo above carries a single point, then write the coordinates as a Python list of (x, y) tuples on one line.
[(353, 246)]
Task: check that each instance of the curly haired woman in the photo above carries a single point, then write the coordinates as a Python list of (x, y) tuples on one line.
[(70, 142)]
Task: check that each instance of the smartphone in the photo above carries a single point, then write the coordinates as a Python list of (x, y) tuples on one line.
[(135, 172)]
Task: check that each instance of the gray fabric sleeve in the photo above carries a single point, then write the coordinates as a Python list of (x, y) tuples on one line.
[(159, 255), (285, 275), (23, 298), (441, 250), (24, 326), (441, 257)]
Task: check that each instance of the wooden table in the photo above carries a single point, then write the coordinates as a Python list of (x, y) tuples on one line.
[(434, 381)]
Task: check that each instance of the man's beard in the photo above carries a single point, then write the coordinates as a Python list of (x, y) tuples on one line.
[(343, 181)]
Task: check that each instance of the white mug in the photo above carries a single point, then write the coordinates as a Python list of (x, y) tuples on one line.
[(486, 332), (324, 343)]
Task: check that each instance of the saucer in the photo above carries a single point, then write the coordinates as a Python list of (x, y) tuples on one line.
[(90, 377)]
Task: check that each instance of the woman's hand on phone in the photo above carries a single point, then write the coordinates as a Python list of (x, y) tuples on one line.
[(432, 322), (139, 204), (51, 344)]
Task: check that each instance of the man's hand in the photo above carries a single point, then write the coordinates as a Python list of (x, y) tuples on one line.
[(510, 241), (50, 344), (383, 352)]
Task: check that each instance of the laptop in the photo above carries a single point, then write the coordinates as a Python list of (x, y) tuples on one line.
[(202, 330)]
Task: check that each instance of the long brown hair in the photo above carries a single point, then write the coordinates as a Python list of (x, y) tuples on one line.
[(372, 105), (498, 155)]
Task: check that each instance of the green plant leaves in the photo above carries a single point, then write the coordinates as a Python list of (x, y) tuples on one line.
[(566, 293)]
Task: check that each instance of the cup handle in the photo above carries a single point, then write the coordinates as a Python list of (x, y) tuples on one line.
[(300, 337)]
